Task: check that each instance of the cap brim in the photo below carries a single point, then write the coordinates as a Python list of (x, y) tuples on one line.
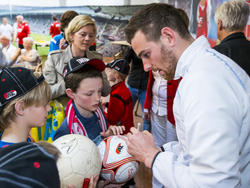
[(109, 65)]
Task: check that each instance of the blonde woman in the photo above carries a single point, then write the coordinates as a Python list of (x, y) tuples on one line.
[(80, 34)]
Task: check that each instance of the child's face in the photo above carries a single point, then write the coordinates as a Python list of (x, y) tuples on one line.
[(88, 94), (111, 74), (36, 115)]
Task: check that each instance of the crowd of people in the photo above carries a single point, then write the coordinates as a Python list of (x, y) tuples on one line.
[(22, 54), (195, 99)]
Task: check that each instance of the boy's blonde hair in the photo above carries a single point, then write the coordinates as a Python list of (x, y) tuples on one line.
[(78, 23), (40, 95)]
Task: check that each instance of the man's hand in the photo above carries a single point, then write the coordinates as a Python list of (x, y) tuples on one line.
[(141, 145), (113, 130)]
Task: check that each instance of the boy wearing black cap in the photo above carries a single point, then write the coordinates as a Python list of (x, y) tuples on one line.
[(23, 104), (26, 165), (84, 116), (120, 106), (32, 165)]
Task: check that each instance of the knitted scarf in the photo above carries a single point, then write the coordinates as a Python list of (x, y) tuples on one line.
[(76, 126)]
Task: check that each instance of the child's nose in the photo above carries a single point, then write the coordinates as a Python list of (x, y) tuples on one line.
[(98, 97)]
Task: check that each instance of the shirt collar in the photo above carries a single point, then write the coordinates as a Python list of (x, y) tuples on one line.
[(237, 35), (188, 56)]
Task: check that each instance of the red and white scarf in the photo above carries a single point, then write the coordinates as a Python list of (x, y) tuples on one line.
[(76, 126)]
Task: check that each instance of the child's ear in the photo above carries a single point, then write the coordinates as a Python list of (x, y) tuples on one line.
[(19, 108), (70, 93)]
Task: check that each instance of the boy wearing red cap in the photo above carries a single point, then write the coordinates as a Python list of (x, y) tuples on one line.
[(84, 116)]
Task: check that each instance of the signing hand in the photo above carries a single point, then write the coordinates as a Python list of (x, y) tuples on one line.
[(142, 146)]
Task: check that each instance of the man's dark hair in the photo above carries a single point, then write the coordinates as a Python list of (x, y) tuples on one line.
[(151, 18), (66, 17), (73, 80), (184, 16)]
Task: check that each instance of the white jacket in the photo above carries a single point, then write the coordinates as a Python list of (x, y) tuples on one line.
[(212, 114)]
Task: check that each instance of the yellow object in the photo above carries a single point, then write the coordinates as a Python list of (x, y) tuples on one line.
[(54, 119)]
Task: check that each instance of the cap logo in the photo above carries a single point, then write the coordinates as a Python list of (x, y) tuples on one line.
[(82, 60), (119, 148), (10, 94), (117, 68)]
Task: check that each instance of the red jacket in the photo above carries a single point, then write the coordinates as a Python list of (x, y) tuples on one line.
[(120, 108), (171, 90), (54, 29), (23, 31)]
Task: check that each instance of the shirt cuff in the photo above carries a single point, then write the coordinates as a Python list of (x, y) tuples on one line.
[(155, 158)]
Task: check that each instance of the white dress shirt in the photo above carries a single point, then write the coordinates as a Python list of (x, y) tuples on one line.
[(6, 29), (9, 51), (212, 114), (159, 92)]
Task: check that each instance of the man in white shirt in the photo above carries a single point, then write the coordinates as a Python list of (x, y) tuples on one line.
[(211, 105), (9, 51), (6, 29)]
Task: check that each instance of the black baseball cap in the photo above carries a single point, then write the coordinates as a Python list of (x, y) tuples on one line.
[(76, 64), (15, 82), (120, 65), (27, 165)]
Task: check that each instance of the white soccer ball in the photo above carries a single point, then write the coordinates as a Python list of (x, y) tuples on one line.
[(80, 158), (118, 166)]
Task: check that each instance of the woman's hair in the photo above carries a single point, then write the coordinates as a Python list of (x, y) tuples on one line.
[(66, 17), (40, 95), (73, 80), (77, 23), (233, 14), (28, 39)]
